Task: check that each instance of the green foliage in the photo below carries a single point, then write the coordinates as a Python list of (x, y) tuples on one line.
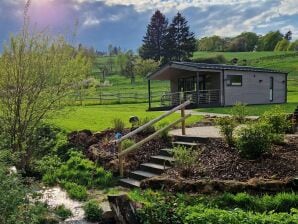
[(239, 112), (148, 130), (75, 191), (127, 143), (269, 41), (145, 67), (282, 45), (118, 125), (277, 119), (254, 140), (227, 126), (217, 59), (161, 207), (186, 160), (93, 212), (83, 172), (163, 134), (62, 212)]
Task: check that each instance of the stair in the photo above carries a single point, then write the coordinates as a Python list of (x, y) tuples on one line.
[(158, 164)]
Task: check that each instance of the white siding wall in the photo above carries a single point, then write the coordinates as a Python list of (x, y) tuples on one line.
[(252, 90)]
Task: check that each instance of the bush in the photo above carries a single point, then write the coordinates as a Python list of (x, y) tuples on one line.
[(148, 130), (75, 191), (62, 212), (227, 126), (83, 172), (276, 119), (253, 140), (118, 125), (93, 213), (239, 112), (127, 143), (186, 160)]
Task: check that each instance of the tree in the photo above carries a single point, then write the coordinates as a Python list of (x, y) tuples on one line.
[(250, 40), (179, 41), (269, 41), (144, 67), (213, 43), (37, 73), (282, 45), (288, 35), (153, 41), (293, 46)]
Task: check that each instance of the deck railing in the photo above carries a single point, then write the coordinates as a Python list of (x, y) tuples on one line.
[(122, 154), (211, 96)]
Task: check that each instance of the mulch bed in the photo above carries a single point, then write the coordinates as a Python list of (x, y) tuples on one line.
[(99, 147), (218, 161)]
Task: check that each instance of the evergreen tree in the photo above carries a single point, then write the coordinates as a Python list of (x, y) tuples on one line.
[(288, 35), (180, 42), (153, 41)]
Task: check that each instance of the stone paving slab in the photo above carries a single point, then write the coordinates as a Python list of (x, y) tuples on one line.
[(205, 132)]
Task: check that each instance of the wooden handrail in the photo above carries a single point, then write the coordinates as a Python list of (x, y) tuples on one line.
[(150, 137), (130, 134)]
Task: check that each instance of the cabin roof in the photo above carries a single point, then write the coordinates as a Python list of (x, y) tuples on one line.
[(192, 66)]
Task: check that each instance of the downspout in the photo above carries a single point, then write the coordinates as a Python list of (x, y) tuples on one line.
[(149, 94), (223, 88), (286, 88)]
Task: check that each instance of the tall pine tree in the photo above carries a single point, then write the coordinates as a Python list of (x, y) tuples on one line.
[(179, 42), (153, 41)]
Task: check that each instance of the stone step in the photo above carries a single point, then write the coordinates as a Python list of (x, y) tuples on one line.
[(154, 168), (129, 182), (163, 160), (186, 144), (189, 138), (141, 175), (166, 152)]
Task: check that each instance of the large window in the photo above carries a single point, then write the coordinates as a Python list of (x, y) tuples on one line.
[(234, 80)]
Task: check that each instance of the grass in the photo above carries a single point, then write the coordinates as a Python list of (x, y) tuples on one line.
[(100, 117)]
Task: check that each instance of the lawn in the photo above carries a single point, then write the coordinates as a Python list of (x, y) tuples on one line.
[(100, 117)]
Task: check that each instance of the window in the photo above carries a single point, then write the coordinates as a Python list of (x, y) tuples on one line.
[(271, 89), (234, 80)]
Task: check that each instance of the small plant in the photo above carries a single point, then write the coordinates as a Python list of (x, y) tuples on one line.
[(239, 112), (227, 126), (149, 129), (62, 212), (93, 213), (186, 160), (118, 125), (127, 143), (75, 191), (253, 140), (164, 134)]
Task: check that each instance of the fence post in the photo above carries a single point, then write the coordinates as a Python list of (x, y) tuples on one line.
[(120, 160), (183, 122)]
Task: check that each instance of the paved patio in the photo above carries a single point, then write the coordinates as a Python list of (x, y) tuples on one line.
[(205, 132)]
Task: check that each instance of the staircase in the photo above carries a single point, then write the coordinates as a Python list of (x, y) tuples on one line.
[(160, 163)]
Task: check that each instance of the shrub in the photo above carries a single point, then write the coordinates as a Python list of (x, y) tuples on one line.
[(186, 160), (118, 125), (62, 212), (75, 191), (253, 140), (83, 172), (93, 212), (148, 130), (227, 126), (239, 112), (276, 119), (127, 143)]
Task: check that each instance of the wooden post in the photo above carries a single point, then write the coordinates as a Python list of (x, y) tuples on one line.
[(183, 122), (120, 160)]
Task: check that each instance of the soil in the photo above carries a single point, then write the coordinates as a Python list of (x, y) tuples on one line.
[(218, 161), (99, 147)]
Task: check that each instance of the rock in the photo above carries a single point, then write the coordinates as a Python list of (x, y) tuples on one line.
[(123, 209)]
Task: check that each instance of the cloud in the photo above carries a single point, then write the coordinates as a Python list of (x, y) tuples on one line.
[(123, 22)]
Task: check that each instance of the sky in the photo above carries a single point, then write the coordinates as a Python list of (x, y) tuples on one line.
[(123, 22)]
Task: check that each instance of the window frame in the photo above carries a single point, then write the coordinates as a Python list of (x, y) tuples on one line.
[(230, 84)]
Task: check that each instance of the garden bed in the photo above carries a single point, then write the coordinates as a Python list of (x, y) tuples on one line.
[(220, 162), (99, 147)]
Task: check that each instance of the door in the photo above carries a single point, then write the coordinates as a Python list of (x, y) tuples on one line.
[(187, 88), (271, 89)]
